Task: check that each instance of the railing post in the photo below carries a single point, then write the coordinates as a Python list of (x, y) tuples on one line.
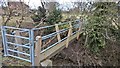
[(38, 50), (4, 40), (46, 63), (69, 33), (58, 34), (32, 53), (18, 41), (78, 33)]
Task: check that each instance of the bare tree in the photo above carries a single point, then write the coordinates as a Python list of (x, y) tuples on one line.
[(7, 11)]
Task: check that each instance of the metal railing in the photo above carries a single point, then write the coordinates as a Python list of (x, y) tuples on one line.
[(7, 42), (18, 50)]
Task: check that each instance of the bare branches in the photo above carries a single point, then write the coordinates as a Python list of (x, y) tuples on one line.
[(8, 18), (8, 12), (43, 4)]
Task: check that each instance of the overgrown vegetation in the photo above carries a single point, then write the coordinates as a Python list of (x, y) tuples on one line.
[(39, 14), (102, 24), (54, 17), (50, 18)]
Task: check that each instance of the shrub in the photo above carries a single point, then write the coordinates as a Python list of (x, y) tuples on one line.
[(54, 17)]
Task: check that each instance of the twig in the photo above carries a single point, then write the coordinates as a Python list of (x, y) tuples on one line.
[(48, 42)]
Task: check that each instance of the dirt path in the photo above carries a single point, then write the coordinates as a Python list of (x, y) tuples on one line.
[(78, 54)]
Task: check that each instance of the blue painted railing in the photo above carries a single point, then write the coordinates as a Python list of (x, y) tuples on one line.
[(6, 43), (31, 41)]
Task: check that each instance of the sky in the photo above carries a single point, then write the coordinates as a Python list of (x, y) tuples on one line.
[(36, 3), (65, 3)]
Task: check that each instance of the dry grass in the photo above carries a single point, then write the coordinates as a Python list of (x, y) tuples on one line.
[(9, 61)]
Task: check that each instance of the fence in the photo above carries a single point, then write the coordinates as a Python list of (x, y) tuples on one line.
[(23, 44)]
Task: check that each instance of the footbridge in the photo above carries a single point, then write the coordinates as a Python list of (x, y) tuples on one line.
[(38, 45)]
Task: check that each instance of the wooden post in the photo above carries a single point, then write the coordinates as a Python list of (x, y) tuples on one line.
[(69, 33), (58, 34), (80, 23), (38, 50), (46, 63), (18, 41)]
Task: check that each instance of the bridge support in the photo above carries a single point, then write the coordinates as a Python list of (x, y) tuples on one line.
[(69, 33), (78, 34), (46, 63), (38, 50), (57, 30)]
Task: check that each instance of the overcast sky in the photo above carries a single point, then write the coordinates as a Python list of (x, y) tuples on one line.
[(36, 3), (65, 3)]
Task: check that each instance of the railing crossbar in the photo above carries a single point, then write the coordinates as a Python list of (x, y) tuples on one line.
[(19, 58), (53, 45), (18, 52), (57, 42), (16, 28), (43, 27), (63, 23), (25, 45), (74, 32), (17, 36), (54, 34), (49, 26)]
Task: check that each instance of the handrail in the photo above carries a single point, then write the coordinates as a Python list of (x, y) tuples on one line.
[(53, 45), (49, 26), (25, 45), (17, 36), (18, 52), (57, 43), (53, 34), (23, 29), (20, 58), (43, 27)]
